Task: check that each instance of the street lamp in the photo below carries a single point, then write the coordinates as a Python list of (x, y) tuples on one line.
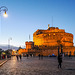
[(9, 43), (5, 9), (58, 41)]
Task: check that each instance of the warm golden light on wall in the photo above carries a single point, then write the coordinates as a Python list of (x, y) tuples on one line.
[(54, 34)]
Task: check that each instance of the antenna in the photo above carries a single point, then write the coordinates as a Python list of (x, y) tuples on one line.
[(52, 21)]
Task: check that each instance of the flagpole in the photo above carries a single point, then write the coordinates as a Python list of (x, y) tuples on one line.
[(29, 37)]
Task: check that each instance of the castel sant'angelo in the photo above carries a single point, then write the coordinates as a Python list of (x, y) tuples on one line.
[(47, 42)]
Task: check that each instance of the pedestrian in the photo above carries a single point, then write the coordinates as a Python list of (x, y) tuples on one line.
[(20, 56), (63, 55), (17, 57), (6, 56), (27, 56), (39, 56), (59, 60), (42, 56), (69, 55)]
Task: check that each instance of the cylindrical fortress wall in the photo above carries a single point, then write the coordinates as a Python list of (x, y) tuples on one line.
[(50, 37)]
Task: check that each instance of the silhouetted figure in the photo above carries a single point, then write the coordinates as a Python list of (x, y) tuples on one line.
[(31, 55), (17, 57), (20, 56), (69, 55), (39, 56), (27, 56), (59, 60)]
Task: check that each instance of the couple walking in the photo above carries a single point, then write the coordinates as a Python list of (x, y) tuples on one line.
[(18, 57)]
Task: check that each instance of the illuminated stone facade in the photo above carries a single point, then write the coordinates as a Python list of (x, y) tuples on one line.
[(46, 42), (52, 37)]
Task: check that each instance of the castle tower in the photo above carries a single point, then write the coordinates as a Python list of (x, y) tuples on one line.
[(29, 45)]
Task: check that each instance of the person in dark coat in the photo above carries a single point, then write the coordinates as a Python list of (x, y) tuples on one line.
[(27, 56), (20, 56), (17, 57), (59, 60), (42, 56), (39, 56)]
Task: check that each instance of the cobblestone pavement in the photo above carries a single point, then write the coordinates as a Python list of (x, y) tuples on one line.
[(34, 66)]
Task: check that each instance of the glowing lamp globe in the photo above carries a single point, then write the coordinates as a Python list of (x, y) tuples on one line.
[(5, 14)]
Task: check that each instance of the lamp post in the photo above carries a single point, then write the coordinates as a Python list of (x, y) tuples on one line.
[(5, 9), (58, 41), (9, 43), (60, 46)]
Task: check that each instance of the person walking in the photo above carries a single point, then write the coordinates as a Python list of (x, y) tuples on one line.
[(59, 60), (39, 56), (20, 56), (17, 57), (42, 56), (27, 56)]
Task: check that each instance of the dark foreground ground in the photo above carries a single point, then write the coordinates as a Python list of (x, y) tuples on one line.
[(34, 66)]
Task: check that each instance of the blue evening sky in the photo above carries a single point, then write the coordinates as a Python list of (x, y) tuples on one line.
[(26, 16)]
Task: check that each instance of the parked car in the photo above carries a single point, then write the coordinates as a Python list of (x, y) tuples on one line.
[(53, 55)]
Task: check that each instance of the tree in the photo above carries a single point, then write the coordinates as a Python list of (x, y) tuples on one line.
[(7, 52)]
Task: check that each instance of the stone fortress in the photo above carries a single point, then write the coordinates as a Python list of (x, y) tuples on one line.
[(47, 42), (51, 36)]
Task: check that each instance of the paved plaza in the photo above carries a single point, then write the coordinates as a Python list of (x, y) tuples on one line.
[(34, 66)]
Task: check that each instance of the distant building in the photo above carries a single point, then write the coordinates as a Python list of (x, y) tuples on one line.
[(47, 42)]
